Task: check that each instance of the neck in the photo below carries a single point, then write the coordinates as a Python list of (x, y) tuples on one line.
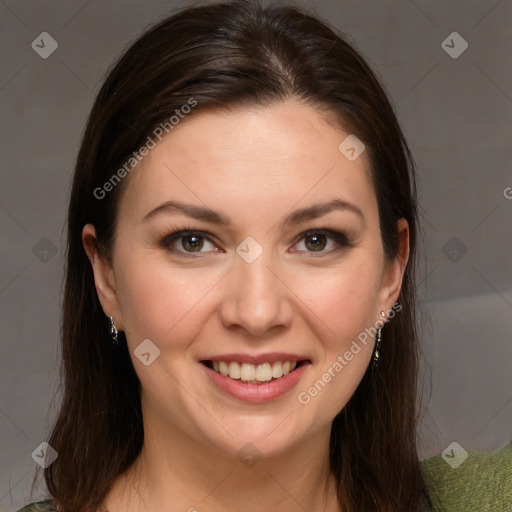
[(175, 469)]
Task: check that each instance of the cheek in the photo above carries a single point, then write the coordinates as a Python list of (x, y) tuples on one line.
[(345, 302), (344, 299), (160, 302)]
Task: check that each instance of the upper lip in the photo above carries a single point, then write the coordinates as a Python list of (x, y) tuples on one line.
[(270, 357)]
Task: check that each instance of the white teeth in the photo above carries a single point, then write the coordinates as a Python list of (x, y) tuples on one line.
[(264, 372), (223, 367), (254, 373), (277, 370), (247, 371), (234, 370)]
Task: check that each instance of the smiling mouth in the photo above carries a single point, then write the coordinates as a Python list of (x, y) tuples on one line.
[(254, 374)]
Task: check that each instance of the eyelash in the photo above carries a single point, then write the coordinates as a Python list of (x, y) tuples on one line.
[(339, 238)]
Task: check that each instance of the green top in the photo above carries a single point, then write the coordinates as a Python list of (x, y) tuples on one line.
[(480, 482)]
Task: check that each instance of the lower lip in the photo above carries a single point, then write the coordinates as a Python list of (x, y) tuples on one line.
[(256, 393)]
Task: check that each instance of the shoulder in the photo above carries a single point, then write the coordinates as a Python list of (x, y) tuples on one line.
[(39, 506), (458, 480)]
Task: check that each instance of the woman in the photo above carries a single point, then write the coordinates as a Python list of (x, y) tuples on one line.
[(239, 316)]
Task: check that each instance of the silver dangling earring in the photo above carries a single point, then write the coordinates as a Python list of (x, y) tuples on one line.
[(376, 354), (113, 331)]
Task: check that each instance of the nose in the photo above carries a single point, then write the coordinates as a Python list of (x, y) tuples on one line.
[(257, 298)]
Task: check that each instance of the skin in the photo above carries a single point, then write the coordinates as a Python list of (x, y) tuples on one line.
[(253, 165)]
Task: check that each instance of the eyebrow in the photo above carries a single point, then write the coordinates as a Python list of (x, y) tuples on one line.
[(297, 216)]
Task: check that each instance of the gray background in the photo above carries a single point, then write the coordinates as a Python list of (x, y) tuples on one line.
[(456, 113)]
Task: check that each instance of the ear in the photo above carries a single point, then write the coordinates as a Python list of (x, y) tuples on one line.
[(104, 278), (394, 270)]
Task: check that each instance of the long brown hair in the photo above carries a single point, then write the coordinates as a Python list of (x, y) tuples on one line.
[(227, 55)]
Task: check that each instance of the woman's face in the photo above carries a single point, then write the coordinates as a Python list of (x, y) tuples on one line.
[(248, 287)]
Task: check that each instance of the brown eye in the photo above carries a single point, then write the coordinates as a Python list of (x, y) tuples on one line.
[(186, 243), (193, 243), (317, 242)]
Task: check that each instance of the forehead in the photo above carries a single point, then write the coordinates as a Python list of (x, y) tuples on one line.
[(265, 158)]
